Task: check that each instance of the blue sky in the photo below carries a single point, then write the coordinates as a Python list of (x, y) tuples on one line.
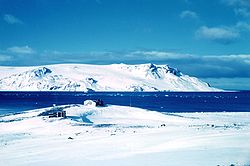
[(207, 39)]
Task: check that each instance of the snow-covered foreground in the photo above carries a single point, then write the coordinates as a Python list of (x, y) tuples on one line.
[(117, 135)]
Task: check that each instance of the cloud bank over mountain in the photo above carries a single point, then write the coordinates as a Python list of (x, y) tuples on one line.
[(204, 66)]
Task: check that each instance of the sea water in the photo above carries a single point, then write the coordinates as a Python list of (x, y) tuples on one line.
[(12, 102)]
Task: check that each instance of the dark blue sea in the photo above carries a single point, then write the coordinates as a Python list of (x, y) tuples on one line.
[(12, 102)]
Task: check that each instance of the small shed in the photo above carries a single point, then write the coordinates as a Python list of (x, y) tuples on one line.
[(58, 114), (55, 112)]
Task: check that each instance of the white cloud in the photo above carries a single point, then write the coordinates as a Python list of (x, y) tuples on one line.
[(239, 57), (4, 58), (10, 19), (208, 66), (245, 3), (188, 14), (222, 35), (243, 26), (21, 50), (242, 12), (178, 56), (159, 55)]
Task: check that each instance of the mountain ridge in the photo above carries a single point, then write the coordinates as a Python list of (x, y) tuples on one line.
[(85, 77)]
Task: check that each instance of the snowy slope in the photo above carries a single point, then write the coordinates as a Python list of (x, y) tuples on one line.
[(118, 135), (116, 77)]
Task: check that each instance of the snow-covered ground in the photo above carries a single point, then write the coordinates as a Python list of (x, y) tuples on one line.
[(115, 77), (118, 135)]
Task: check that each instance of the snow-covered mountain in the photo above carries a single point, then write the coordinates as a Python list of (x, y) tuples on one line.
[(115, 77)]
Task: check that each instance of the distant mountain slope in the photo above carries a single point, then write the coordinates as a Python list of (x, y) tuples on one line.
[(116, 77)]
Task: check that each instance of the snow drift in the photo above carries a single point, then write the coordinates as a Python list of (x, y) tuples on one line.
[(118, 135)]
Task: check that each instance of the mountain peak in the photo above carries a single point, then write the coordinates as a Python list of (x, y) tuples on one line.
[(174, 71), (41, 71)]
